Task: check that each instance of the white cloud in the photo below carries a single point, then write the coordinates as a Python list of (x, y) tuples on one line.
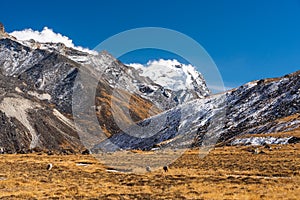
[(45, 36)]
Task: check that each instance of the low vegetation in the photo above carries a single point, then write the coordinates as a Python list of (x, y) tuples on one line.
[(225, 173)]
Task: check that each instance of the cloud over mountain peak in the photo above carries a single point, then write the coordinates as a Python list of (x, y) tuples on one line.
[(47, 35)]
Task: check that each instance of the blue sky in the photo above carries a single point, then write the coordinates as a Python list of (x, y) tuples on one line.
[(248, 40)]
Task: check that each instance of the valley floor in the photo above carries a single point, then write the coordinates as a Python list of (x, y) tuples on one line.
[(225, 173)]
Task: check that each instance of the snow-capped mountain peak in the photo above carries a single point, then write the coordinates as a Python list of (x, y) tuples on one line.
[(173, 75), (38, 78)]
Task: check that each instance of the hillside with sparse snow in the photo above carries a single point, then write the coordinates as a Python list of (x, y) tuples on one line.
[(169, 101)]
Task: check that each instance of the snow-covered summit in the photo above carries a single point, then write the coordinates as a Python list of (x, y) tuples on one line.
[(173, 75)]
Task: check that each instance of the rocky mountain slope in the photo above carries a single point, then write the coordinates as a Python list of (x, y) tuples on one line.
[(53, 67), (42, 74), (170, 104), (254, 108), (29, 123)]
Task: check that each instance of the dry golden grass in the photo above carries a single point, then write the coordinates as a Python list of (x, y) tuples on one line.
[(138, 108), (225, 173)]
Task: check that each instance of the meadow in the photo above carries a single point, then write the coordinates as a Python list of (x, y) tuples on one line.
[(228, 172)]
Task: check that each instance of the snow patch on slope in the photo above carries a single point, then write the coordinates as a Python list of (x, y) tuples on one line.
[(47, 35), (40, 96), (256, 141), (63, 118)]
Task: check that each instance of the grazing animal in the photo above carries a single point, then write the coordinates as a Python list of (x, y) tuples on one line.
[(268, 147), (148, 169), (165, 168), (49, 166)]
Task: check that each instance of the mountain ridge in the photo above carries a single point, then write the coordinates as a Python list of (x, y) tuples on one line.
[(249, 109), (43, 77), (46, 73)]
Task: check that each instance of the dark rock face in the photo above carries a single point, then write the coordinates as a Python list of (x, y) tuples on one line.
[(2, 30), (14, 136), (55, 75), (28, 123)]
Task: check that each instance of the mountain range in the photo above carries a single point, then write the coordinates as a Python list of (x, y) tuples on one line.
[(37, 94)]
